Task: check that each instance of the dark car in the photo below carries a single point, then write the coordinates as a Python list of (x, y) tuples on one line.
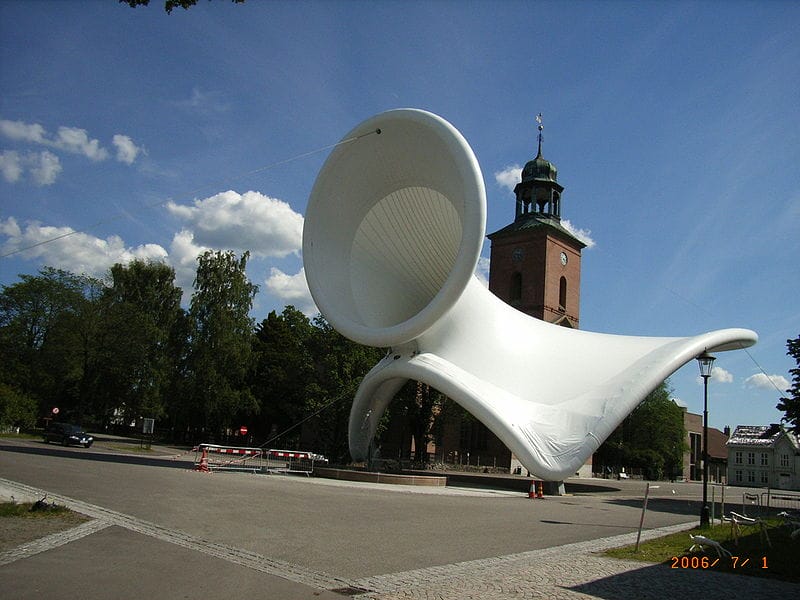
[(66, 434)]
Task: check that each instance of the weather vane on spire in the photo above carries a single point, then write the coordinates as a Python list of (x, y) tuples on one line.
[(541, 127)]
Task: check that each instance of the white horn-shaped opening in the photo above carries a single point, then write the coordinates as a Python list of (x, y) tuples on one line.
[(393, 231), (394, 227)]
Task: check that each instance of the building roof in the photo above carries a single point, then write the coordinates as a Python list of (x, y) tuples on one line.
[(762, 436), (717, 443), (536, 220)]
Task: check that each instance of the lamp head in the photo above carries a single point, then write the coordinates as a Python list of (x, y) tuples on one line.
[(706, 363)]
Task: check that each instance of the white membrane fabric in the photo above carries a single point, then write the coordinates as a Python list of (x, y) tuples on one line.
[(392, 234)]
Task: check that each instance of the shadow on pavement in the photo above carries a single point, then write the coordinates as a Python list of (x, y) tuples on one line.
[(580, 487), (661, 581), (675, 506), (88, 454)]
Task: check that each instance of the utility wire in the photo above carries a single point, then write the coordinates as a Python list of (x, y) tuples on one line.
[(194, 191), (338, 398)]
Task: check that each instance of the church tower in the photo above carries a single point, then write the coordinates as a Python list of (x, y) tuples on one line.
[(535, 262)]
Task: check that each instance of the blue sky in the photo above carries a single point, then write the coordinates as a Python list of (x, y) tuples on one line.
[(674, 127)]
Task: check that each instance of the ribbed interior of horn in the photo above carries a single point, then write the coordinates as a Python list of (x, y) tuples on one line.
[(402, 253)]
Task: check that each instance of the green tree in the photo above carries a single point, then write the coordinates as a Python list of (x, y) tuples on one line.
[(29, 312), (790, 404), (45, 337), (16, 409), (422, 406), (283, 377), (143, 308), (169, 4), (650, 438), (339, 364), (221, 340)]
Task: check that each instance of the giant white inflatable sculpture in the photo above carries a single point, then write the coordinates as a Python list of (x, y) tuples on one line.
[(393, 232)]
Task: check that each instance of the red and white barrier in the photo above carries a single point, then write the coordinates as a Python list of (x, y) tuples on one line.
[(292, 461), (215, 458)]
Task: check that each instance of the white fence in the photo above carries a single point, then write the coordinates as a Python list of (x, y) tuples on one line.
[(228, 458), (292, 461)]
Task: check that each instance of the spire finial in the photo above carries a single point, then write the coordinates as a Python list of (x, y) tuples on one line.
[(541, 127)]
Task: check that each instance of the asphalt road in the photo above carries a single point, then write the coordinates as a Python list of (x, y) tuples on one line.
[(353, 530), (158, 529)]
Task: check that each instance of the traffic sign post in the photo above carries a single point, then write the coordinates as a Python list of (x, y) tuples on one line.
[(147, 430)]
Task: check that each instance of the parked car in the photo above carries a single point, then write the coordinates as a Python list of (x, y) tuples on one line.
[(66, 434)]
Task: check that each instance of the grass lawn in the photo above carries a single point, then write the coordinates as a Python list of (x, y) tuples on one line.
[(22, 436), (19, 524), (25, 510), (135, 448), (752, 555)]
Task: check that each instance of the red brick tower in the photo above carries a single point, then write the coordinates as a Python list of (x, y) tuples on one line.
[(535, 262)]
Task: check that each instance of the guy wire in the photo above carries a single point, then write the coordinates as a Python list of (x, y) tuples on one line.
[(194, 191)]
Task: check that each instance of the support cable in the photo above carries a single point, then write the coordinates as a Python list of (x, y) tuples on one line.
[(193, 192)]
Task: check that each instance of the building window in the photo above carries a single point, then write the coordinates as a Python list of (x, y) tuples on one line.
[(738, 458), (516, 288), (764, 459), (695, 453), (751, 477), (562, 294), (784, 460), (764, 477), (751, 458), (738, 475)]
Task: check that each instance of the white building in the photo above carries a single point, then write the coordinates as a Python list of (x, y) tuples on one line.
[(764, 456)]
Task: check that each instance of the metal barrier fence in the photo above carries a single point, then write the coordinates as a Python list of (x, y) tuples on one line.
[(212, 457), (766, 501), (781, 499), (292, 461)]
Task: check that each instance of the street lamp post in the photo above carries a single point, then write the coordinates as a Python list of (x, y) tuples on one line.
[(706, 363)]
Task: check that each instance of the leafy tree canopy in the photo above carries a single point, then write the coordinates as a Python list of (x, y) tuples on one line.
[(790, 404), (220, 350), (650, 438), (169, 4)]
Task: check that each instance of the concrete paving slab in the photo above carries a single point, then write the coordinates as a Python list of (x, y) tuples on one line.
[(163, 532), (119, 564)]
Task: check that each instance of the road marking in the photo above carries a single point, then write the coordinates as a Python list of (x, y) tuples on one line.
[(53, 540), (239, 556)]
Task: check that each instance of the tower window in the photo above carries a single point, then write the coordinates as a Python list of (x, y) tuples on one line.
[(562, 293), (516, 287)]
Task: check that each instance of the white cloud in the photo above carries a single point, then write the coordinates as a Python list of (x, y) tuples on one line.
[(127, 150), (205, 103), (719, 375), (70, 139), (44, 167), (482, 271), (509, 177), (680, 403), (512, 175), (183, 257), (76, 140), (251, 221), (584, 235), (73, 251), (771, 382), (23, 132), (10, 166), (293, 289)]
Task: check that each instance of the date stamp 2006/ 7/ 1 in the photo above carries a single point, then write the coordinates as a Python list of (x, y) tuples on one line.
[(705, 562)]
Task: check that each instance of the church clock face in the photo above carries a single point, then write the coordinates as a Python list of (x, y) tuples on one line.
[(564, 259), (517, 254)]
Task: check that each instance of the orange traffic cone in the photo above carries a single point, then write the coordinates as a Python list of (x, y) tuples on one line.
[(532, 490), (540, 492), (203, 464)]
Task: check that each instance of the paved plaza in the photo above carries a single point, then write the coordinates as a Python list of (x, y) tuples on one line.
[(159, 530)]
